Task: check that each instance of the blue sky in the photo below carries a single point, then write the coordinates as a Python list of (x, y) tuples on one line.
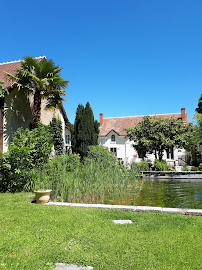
[(132, 57)]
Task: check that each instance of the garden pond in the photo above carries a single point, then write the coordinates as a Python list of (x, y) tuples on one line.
[(161, 193)]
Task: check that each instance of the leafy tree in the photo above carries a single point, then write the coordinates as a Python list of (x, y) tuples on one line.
[(194, 147), (85, 130), (42, 79), (55, 128), (199, 108), (157, 135)]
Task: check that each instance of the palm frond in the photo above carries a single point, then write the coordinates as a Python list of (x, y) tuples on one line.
[(11, 77)]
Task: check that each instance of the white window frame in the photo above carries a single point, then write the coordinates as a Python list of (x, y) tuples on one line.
[(114, 138)]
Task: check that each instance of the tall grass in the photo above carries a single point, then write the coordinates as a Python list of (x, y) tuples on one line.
[(90, 182)]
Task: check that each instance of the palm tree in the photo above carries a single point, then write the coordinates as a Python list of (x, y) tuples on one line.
[(42, 80), (3, 90)]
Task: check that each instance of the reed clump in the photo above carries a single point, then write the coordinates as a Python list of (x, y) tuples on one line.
[(87, 182)]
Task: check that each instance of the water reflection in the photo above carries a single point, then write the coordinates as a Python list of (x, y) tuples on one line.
[(162, 193)]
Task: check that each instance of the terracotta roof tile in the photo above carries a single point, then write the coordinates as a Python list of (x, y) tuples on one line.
[(11, 67), (118, 124)]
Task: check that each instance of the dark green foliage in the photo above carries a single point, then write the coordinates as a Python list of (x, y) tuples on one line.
[(85, 130), (154, 135), (55, 128), (199, 108), (160, 165), (200, 167), (4, 172), (29, 150), (96, 132), (77, 135)]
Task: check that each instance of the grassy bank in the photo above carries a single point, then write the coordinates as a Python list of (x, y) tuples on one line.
[(37, 236)]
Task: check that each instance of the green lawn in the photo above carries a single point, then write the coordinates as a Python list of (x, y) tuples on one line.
[(37, 236)]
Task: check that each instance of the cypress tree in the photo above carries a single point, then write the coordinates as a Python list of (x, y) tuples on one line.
[(55, 128), (96, 132), (77, 132), (85, 130), (199, 108)]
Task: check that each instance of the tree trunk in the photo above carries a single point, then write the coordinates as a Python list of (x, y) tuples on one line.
[(160, 154), (36, 108), (155, 154)]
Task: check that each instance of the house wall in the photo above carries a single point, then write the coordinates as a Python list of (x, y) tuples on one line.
[(47, 115), (125, 150)]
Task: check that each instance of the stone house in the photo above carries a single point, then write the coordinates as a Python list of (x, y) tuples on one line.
[(113, 136), (16, 108)]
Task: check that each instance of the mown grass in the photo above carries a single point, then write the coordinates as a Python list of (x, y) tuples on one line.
[(37, 236)]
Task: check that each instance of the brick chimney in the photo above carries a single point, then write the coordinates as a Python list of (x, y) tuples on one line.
[(183, 114), (101, 119)]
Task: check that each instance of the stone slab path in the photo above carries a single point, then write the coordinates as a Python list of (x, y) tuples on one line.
[(184, 211)]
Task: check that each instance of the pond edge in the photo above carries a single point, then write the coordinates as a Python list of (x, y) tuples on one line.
[(184, 211)]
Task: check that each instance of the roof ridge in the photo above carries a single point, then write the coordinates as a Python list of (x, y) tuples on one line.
[(139, 115), (11, 62)]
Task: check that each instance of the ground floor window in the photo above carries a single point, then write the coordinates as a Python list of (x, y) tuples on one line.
[(67, 139), (114, 151), (170, 154)]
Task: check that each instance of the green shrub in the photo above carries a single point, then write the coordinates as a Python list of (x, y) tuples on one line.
[(100, 154), (4, 172), (200, 167), (185, 168), (29, 150), (194, 169), (160, 165), (141, 166)]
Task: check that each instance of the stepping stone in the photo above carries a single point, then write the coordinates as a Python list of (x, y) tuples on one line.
[(122, 221), (63, 266), (29, 195)]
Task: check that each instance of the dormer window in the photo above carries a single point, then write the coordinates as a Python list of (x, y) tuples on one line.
[(113, 138)]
